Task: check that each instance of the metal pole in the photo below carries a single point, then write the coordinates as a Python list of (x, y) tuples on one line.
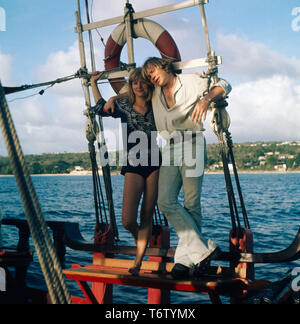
[(90, 37), (93, 65), (92, 134), (145, 13), (128, 11), (212, 60), (82, 57), (205, 28)]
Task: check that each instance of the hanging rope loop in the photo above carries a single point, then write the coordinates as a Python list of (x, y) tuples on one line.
[(91, 129), (220, 120)]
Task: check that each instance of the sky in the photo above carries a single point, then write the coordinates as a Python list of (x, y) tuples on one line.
[(258, 41)]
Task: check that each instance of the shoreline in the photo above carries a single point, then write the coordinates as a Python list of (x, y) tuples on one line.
[(89, 173)]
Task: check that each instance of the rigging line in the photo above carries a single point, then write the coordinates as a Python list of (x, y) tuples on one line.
[(9, 90), (95, 194), (101, 141), (229, 188), (41, 92), (101, 196), (92, 53), (98, 193), (96, 29), (26, 97), (44, 246), (230, 147), (212, 73), (93, 62), (33, 95)]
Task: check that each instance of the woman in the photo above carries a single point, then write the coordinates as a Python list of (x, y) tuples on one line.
[(136, 111)]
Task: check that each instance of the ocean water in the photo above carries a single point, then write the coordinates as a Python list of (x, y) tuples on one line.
[(272, 203)]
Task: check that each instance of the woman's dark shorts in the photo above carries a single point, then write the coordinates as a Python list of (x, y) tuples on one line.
[(143, 171)]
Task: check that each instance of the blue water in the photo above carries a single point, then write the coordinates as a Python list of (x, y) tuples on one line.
[(272, 203)]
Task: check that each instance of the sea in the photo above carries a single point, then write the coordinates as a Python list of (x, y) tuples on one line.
[(272, 202)]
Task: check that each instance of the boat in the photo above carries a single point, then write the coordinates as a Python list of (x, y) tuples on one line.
[(237, 280)]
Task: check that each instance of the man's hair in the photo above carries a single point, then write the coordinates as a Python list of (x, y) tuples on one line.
[(157, 62), (135, 75)]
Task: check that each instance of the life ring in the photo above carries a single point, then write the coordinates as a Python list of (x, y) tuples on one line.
[(144, 28)]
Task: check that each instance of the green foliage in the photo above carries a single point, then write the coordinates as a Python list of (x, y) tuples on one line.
[(50, 163), (248, 156), (258, 156)]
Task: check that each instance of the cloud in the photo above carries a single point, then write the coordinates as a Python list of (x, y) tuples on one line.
[(264, 110), (70, 111), (5, 68), (264, 104), (31, 112), (49, 139), (44, 130), (61, 64), (249, 60)]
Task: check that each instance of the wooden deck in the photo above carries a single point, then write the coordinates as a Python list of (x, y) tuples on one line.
[(218, 282)]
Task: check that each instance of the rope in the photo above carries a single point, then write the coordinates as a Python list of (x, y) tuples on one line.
[(97, 31), (98, 193), (79, 74), (45, 250), (0, 229), (220, 123), (230, 149), (229, 188)]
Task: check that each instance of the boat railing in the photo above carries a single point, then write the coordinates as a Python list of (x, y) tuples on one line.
[(67, 234), (57, 228)]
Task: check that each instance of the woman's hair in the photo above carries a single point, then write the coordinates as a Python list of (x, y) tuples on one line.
[(137, 75), (158, 63)]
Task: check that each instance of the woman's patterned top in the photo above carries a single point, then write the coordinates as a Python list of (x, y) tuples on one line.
[(133, 121)]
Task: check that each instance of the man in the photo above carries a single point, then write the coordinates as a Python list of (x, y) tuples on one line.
[(179, 104)]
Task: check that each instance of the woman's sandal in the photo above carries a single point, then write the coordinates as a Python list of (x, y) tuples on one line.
[(135, 269)]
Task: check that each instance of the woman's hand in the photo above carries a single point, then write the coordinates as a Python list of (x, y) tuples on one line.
[(95, 77), (109, 107), (96, 93)]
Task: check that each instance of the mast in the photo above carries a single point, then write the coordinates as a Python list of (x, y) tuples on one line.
[(92, 130), (128, 14)]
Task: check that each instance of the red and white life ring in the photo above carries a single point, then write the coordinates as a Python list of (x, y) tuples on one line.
[(144, 28)]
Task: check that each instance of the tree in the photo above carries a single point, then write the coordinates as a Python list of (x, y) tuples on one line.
[(272, 160), (62, 166), (36, 168), (297, 159)]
